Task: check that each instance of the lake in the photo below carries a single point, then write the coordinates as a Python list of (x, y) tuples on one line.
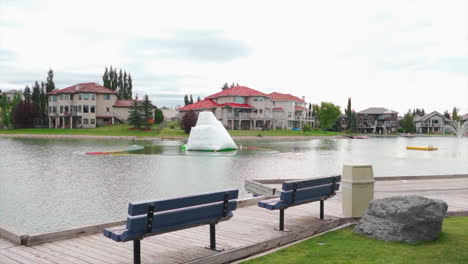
[(50, 184)]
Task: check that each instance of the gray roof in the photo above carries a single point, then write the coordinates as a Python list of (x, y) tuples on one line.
[(427, 116), (377, 110), (12, 91)]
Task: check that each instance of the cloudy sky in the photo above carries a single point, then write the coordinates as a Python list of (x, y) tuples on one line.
[(394, 54)]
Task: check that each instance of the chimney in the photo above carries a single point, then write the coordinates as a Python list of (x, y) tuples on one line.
[(77, 87), (303, 98)]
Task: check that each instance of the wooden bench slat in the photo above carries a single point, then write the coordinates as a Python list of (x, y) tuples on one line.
[(289, 185), (139, 208), (308, 193), (172, 221)]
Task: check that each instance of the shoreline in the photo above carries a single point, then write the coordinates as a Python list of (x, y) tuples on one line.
[(163, 138)]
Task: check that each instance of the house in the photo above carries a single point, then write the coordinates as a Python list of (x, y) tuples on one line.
[(289, 111), (86, 105), (377, 120), (10, 94), (244, 108), (433, 122)]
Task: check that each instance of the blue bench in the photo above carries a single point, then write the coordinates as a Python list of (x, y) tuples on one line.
[(151, 218), (303, 191)]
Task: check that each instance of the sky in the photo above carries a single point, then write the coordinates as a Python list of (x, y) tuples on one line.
[(392, 54)]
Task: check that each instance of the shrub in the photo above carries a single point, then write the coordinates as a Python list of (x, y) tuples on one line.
[(24, 114), (307, 128), (158, 116), (188, 121)]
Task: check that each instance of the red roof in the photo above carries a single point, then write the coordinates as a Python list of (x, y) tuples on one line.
[(237, 91), (301, 108), (278, 109), (123, 103), (237, 105), (203, 104), (126, 103), (285, 97), (84, 88)]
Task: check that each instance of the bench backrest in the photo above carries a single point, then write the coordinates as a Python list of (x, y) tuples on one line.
[(303, 191), (156, 217)]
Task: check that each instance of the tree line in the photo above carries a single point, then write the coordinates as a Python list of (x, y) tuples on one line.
[(118, 81)]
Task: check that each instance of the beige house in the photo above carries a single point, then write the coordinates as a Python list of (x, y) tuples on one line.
[(289, 111), (86, 105), (431, 123), (243, 108), (377, 120), (10, 94)]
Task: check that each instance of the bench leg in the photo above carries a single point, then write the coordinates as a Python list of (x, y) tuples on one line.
[(281, 221), (321, 209), (136, 252), (213, 239)]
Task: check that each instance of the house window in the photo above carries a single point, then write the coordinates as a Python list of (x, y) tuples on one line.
[(54, 109), (66, 109), (92, 109), (50, 109), (61, 109), (85, 121), (289, 114), (255, 99), (80, 96), (93, 97), (106, 96), (61, 97), (260, 99), (79, 109), (261, 111), (85, 108), (86, 96), (71, 96), (75, 108), (239, 99), (54, 98), (108, 109), (93, 121)]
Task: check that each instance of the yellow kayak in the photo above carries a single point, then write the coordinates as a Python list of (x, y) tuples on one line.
[(421, 148)]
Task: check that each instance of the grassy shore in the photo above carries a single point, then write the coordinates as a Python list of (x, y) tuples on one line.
[(345, 246), (124, 130)]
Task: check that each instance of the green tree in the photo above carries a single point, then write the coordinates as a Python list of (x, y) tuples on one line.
[(198, 99), (6, 108), (225, 86), (191, 99), (106, 82), (158, 116), (36, 94), (353, 122), (328, 113), (134, 117), (147, 111), (407, 123), (186, 100), (129, 90), (447, 114), (455, 116), (27, 94), (50, 85)]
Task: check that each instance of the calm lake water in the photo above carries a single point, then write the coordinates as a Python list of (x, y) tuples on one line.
[(50, 184)]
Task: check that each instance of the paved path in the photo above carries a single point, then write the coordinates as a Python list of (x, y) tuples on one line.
[(250, 231)]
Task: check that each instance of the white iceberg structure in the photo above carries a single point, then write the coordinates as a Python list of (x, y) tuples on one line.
[(209, 134)]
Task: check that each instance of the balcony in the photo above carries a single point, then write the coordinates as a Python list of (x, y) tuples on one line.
[(248, 116), (72, 113)]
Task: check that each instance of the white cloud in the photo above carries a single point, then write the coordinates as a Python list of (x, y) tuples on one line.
[(396, 54)]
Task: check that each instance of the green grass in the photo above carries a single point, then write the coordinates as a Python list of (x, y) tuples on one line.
[(345, 246), (113, 130), (123, 130)]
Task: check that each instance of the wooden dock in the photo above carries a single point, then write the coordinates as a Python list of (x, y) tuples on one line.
[(249, 232)]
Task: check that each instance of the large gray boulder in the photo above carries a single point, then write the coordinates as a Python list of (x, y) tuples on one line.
[(410, 219)]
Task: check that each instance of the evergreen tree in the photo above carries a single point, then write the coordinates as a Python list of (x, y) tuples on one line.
[(119, 88), (158, 116), (27, 94), (124, 85), (447, 114), (191, 99), (186, 100), (237, 84), (43, 101), (310, 109), (455, 116), (232, 85), (147, 111), (349, 112), (129, 92), (198, 99), (407, 123), (106, 82), (353, 122), (50, 85), (134, 117), (225, 86), (36, 94)]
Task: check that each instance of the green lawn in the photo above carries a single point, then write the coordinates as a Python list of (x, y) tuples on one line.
[(345, 246), (123, 130)]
